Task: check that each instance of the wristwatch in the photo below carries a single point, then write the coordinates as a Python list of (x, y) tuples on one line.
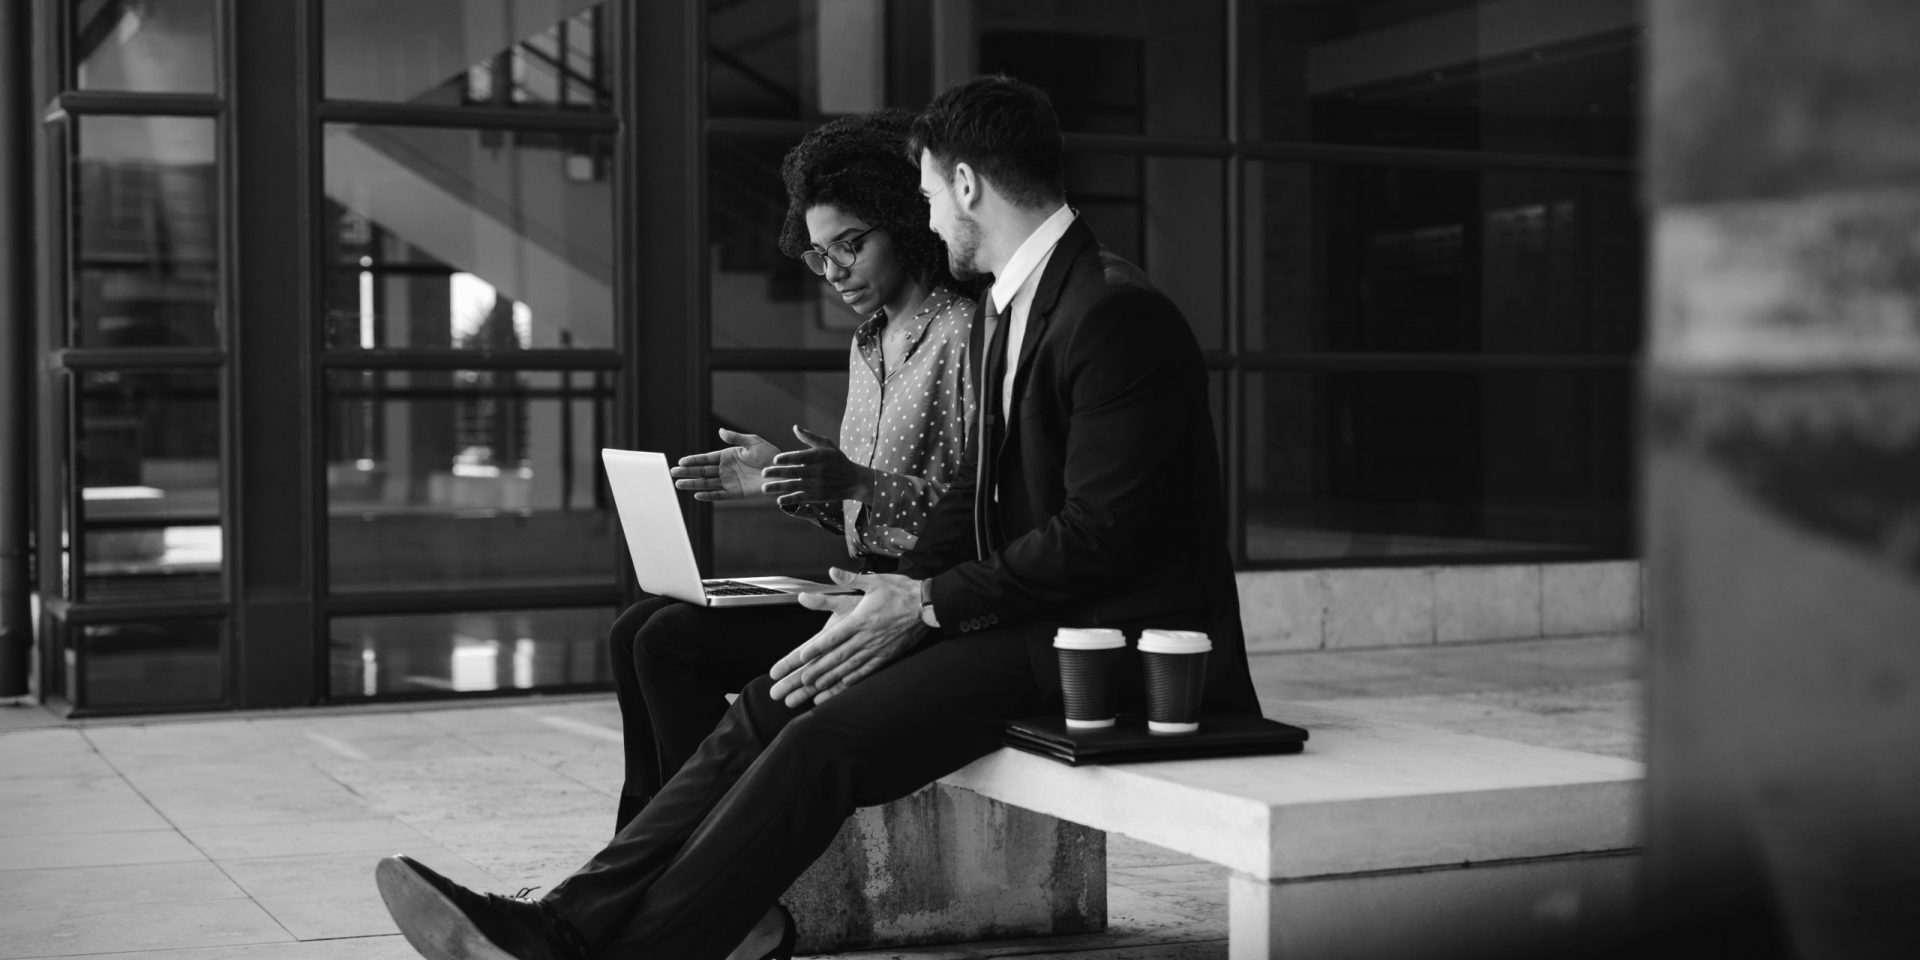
[(927, 615)]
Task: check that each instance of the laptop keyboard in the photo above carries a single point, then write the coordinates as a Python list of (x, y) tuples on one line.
[(730, 588)]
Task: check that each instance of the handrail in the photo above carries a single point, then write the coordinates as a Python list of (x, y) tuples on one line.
[(563, 72), (97, 29)]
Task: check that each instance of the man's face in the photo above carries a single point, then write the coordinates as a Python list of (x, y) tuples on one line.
[(957, 228)]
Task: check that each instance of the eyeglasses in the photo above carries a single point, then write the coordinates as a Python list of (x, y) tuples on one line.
[(842, 252)]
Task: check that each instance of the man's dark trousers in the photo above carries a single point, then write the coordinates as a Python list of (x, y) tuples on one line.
[(765, 795)]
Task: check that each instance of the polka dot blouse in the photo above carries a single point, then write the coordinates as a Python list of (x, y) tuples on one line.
[(909, 424)]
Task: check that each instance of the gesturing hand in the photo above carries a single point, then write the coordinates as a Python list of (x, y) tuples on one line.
[(730, 474), (818, 473), (865, 633)]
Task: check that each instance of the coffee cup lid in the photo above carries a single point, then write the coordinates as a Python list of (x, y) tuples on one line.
[(1174, 641), (1088, 638)]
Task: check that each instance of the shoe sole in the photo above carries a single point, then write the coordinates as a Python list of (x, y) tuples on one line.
[(430, 922)]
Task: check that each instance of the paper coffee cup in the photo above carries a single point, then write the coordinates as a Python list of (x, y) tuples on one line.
[(1175, 664), (1086, 656)]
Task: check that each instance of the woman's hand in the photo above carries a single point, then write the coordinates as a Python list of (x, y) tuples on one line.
[(734, 473), (818, 473)]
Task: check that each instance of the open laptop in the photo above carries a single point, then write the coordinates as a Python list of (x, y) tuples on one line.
[(663, 556)]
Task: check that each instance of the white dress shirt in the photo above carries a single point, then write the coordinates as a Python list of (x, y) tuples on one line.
[(1013, 290)]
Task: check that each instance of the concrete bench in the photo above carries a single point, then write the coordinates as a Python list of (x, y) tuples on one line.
[(946, 865), (1382, 840)]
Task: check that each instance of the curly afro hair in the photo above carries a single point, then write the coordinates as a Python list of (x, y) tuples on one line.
[(860, 165)]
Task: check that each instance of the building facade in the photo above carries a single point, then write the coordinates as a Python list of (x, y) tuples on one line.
[(317, 312)]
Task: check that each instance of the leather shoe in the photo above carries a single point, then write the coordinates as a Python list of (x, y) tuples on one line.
[(445, 921)]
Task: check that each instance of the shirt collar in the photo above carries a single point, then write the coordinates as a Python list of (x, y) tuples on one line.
[(1025, 260)]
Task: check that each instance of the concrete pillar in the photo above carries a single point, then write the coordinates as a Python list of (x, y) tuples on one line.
[(946, 865), (1782, 477)]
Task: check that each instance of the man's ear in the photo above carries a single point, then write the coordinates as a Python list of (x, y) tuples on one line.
[(967, 186)]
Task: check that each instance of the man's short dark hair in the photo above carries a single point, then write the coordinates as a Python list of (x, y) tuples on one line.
[(854, 163), (1004, 129)]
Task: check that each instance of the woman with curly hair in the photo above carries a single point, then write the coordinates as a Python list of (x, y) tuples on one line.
[(856, 217)]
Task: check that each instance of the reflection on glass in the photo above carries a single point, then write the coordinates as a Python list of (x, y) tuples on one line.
[(467, 478), (1110, 66), (145, 228), (756, 538), (470, 239), (525, 54), (147, 455), (798, 58), (1492, 75), (1164, 215), (1337, 467), (1423, 260), (128, 666), (467, 652), (144, 47)]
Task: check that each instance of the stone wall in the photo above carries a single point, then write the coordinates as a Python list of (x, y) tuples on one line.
[(1297, 610)]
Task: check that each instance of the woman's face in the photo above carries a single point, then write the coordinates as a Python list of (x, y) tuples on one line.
[(877, 278)]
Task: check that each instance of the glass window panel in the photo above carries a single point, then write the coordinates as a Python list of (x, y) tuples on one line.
[(525, 54), (147, 456), (143, 47), (146, 215), (128, 666), (1166, 215), (486, 240), (1131, 66), (468, 478), (371, 657), (1110, 66), (756, 538), (1374, 259), (1492, 75), (797, 58), (1373, 465)]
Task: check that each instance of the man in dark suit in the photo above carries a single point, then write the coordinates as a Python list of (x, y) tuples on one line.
[(1093, 498)]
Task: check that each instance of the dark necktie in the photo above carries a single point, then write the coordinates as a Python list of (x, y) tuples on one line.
[(986, 528)]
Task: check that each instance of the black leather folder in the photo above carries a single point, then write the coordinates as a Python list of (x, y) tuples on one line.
[(1129, 741)]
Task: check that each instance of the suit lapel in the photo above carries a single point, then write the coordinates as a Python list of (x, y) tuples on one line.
[(1075, 243)]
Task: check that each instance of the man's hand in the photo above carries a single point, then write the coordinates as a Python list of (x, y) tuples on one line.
[(818, 473), (864, 634), (730, 474)]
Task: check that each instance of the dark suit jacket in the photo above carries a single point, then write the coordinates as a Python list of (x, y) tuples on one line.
[(1111, 511)]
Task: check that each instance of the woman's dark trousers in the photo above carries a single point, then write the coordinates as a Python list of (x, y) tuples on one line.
[(674, 665)]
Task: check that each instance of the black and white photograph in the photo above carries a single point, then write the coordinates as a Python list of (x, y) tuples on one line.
[(959, 479)]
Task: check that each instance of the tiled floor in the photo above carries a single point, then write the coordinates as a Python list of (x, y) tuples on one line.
[(230, 837)]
